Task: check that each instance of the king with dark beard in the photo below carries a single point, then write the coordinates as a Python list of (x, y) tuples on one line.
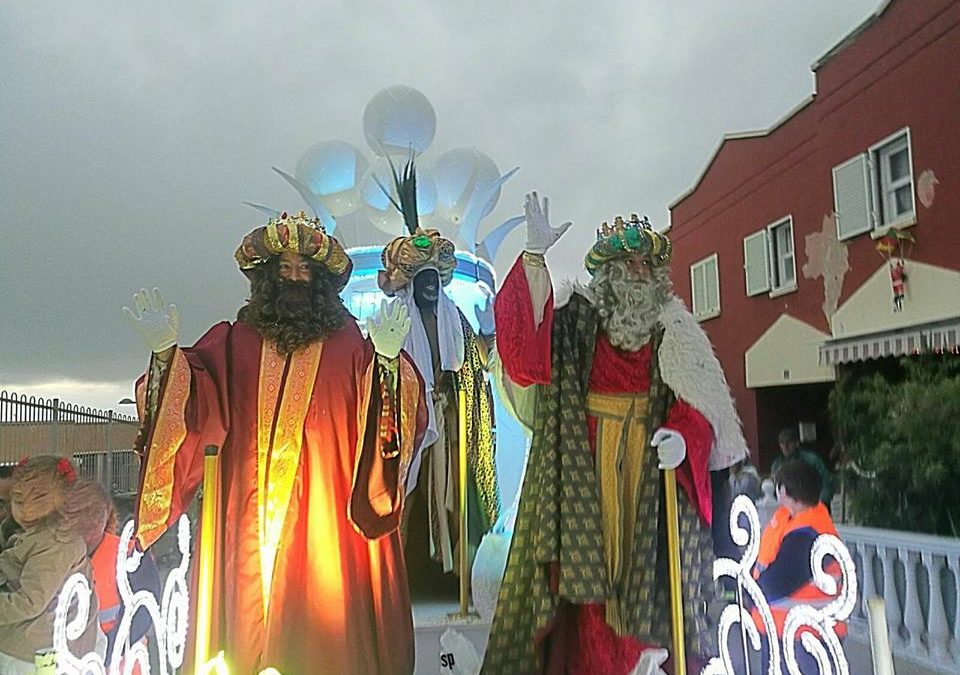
[(317, 428), (626, 386)]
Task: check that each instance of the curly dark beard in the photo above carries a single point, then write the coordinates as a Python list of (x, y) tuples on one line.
[(292, 314)]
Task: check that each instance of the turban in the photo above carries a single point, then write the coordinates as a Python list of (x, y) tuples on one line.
[(295, 234), (403, 257)]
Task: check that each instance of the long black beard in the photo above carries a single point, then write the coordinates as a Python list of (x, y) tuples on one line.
[(292, 314)]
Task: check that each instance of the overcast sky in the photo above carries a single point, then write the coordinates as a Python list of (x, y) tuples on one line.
[(131, 131)]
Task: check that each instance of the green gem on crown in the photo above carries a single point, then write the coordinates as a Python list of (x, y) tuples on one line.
[(421, 241)]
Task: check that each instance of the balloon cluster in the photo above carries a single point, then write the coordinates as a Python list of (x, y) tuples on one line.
[(455, 190)]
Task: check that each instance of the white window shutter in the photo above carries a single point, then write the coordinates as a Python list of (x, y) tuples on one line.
[(755, 263), (852, 193), (712, 284), (698, 290)]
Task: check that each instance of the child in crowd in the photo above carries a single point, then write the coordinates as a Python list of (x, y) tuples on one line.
[(783, 569), (37, 562)]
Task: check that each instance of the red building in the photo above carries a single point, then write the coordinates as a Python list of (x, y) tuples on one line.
[(776, 244)]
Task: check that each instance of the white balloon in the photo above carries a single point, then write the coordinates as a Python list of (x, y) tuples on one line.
[(398, 119), (332, 170), (377, 206), (463, 175)]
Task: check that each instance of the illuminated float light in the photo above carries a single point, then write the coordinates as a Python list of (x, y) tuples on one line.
[(818, 624), (168, 616)]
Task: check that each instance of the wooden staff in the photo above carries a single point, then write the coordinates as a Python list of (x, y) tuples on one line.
[(208, 534), (464, 557), (673, 558)]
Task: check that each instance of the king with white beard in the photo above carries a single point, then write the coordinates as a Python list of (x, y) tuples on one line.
[(619, 382)]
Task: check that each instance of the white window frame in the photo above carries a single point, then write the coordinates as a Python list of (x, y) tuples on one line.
[(881, 188), (713, 310), (775, 258)]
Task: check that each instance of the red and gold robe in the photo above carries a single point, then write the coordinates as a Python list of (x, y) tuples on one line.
[(304, 473)]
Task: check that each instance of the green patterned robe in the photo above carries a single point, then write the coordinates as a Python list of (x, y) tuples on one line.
[(559, 520)]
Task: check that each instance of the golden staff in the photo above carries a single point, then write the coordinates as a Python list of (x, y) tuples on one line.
[(464, 561), (673, 557), (208, 534)]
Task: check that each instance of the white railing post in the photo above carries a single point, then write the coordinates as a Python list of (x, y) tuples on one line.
[(953, 562), (869, 585), (890, 598), (912, 614), (938, 632)]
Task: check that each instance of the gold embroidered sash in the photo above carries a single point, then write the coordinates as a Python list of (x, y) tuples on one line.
[(620, 451), (282, 404)]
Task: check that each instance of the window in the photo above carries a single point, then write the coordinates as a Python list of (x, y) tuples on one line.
[(873, 191), (769, 261), (894, 180), (705, 288), (783, 272)]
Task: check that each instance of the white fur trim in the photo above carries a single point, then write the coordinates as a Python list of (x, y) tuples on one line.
[(691, 369)]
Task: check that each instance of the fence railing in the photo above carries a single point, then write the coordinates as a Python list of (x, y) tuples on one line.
[(101, 441), (917, 577)]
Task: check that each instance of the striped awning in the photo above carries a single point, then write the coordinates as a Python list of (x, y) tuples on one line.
[(937, 337)]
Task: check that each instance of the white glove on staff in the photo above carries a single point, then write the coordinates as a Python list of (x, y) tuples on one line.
[(157, 321), (540, 234), (388, 329), (671, 447)]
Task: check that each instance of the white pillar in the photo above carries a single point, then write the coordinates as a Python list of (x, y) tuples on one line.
[(890, 600), (912, 615), (868, 585), (938, 633)]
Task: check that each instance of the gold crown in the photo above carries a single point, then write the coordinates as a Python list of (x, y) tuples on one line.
[(626, 238)]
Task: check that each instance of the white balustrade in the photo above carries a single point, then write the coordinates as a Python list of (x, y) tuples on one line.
[(913, 569)]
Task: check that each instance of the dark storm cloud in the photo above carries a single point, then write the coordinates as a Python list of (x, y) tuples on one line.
[(131, 131)]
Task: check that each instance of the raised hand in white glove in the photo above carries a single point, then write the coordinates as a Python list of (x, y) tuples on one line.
[(155, 319), (540, 234), (671, 447), (485, 318), (388, 329)]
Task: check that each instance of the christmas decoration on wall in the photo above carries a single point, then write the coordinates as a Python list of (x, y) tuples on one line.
[(814, 625), (894, 248)]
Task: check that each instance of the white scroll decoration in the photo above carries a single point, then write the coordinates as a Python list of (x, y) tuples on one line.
[(816, 626), (169, 615)]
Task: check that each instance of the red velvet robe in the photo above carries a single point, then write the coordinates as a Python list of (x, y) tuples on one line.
[(582, 642), (338, 603)]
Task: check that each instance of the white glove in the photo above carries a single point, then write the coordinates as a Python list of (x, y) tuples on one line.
[(671, 447), (540, 235), (650, 662), (157, 321), (389, 328), (485, 318)]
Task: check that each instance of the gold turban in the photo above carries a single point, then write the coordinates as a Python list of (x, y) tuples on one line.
[(295, 234), (405, 256)]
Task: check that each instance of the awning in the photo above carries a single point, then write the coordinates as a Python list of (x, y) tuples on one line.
[(937, 337)]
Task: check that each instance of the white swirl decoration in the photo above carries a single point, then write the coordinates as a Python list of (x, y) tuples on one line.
[(169, 615), (815, 626)]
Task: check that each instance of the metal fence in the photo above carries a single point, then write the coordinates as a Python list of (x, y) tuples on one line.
[(100, 441)]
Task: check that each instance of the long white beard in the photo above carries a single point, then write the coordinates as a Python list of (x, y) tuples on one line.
[(628, 309)]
